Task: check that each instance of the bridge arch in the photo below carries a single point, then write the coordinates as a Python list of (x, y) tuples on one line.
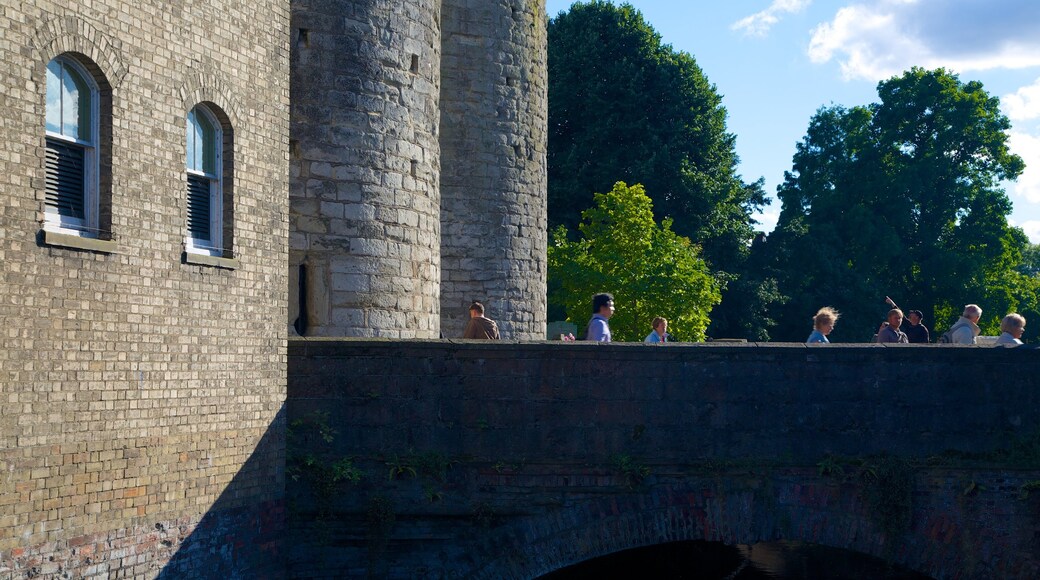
[(541, 544)]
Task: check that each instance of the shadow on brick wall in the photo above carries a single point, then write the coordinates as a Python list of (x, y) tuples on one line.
[(241, 535)]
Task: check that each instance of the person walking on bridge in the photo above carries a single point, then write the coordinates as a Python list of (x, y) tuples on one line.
[(916, 332), (602, 309), (480, 327), (966, 328)]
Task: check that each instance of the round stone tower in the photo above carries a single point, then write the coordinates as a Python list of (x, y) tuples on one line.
[(364, 168), (493, 182)]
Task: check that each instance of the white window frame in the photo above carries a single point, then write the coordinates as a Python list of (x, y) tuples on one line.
[(215, 245), (54, 221)]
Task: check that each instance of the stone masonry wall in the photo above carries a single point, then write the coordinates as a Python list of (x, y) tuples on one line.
[(365, 168), (511, 460), (137, 390), (493, 152)]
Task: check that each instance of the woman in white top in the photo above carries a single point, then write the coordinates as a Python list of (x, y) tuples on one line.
[(1011, 329)]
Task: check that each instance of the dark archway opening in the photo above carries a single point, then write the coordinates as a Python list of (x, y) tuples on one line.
[(704, 560)]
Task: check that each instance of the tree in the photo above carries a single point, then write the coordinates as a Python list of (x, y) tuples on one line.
[(624, 106), (900, 198), (651, 270)]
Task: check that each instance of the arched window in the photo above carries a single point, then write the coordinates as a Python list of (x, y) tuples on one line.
[(71, 199), (205, 168)]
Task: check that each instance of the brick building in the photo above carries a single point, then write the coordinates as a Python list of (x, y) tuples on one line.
[(144, 245), (180, 179)]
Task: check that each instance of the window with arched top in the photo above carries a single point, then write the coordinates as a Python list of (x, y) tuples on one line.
[(205, 168), (72, 135)]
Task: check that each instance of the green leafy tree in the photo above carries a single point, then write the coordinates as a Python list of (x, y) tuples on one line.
[(650, 270), (900, 198), (624, 106)]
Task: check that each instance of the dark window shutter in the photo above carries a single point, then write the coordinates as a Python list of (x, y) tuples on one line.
[(198, 207), (66, 178)]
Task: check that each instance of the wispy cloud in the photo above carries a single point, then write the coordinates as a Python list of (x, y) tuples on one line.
[(759, 23), (1030, 227), (877, 40), (1027, 146), (767, 220), (1023, 108), (1023, 104)]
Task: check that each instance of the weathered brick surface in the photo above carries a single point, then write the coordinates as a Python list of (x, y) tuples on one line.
[(494, 99), (365, 167), (516, 448), (135, 388)]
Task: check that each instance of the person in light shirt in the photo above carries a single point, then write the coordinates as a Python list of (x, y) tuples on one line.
[(602, 309), (660, 332), (1011, 329), (823, 324)]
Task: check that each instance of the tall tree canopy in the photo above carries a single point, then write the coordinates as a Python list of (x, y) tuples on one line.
[(901, 198), (625, 107), (650, 269)]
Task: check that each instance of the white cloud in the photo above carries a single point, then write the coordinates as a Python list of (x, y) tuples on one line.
[(1023, 104), (877, 40), (1027, 147), (767, 221), (759, 23), (1030, 227)]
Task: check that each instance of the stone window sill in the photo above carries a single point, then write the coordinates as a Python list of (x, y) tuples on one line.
[(60, 240), (214, 261)]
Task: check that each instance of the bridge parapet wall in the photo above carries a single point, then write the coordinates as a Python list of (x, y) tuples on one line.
[(514, 459)]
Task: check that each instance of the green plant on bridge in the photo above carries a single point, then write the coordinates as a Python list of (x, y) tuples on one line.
[(430, 468), (310, 460), (632, 472), (309, 457)]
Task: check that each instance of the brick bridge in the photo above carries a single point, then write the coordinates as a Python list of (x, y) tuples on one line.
[(513, 460)]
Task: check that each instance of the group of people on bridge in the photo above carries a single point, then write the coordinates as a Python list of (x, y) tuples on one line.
[(911, 329), (897, 328)]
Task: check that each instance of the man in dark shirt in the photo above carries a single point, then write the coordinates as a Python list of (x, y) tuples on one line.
[(480, 327), (912, 327), (915, 331)]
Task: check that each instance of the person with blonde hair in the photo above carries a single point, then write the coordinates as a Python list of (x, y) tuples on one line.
[(967, 328), (823, 324), (889, 331), (1011, 329)]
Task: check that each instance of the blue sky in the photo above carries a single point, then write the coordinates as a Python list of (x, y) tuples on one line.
[(775, 62)]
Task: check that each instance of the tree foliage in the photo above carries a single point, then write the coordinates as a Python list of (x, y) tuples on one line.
[(625, 107), (901, 198), (650, 270)]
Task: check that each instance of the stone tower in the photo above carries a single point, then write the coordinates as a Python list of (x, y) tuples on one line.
[(417, 178), (364, 168), (493, 155)]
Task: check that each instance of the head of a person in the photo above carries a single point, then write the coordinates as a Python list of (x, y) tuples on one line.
[(1013, 324), (895, 318), (603, 304), (915, 317), (825, 319), (476, 309), (972, 312), (660, 326)]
